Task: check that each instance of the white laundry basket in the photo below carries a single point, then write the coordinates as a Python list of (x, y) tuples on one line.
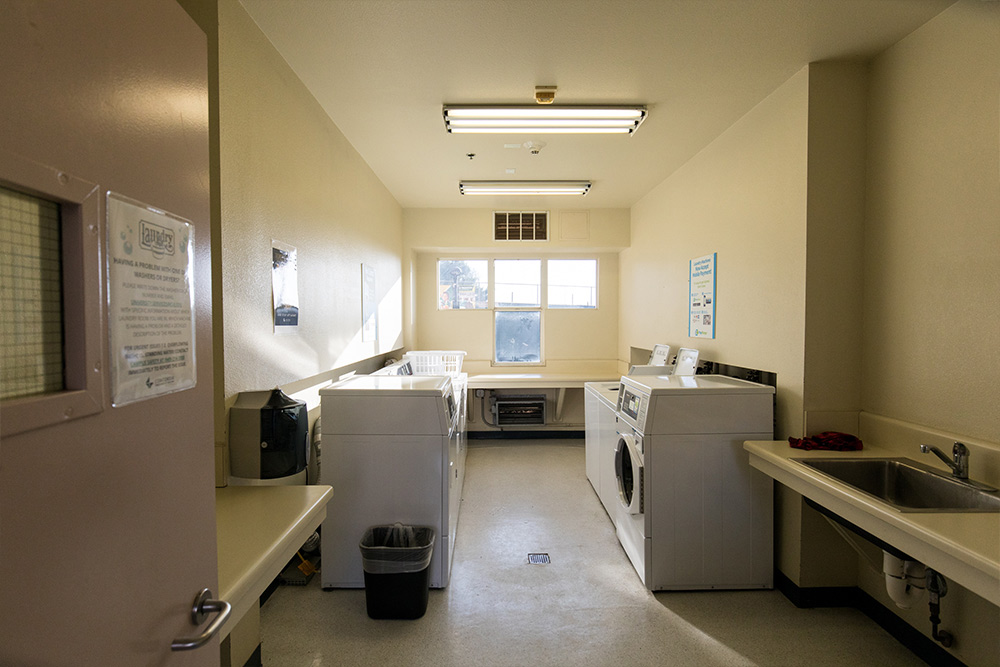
[(443, 362), (435, 362)]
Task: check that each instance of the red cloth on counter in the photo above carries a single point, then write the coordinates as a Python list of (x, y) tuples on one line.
[(840, 442)]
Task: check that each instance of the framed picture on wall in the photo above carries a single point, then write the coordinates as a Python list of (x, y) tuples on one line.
[(284, 287)]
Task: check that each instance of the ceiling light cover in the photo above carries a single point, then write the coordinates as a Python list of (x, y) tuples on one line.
[(524, 187), (496, 119)]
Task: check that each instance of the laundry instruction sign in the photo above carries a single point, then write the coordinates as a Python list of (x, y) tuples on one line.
[(151, 301), (701, 306)]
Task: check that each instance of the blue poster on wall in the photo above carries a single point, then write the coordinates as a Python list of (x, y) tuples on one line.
[(701, 306)]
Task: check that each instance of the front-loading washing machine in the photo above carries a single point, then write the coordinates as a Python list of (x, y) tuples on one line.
[(392, 453), (692, 514), (630, 477)]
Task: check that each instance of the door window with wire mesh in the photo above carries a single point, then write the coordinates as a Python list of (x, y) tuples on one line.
[(31, 354)]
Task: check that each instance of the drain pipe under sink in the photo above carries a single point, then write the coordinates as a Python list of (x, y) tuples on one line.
[(901, 582), (905, 580)]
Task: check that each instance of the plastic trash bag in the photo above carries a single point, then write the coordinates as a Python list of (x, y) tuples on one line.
[(397, 549)]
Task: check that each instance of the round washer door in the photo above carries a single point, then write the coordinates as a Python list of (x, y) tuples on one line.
[(629, 473)]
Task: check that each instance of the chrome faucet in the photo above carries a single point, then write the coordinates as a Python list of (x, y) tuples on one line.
[(959, 463)]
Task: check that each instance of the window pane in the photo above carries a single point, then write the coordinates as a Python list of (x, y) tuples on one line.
[(572, 283), (518, 336), (518, 283), (462, 283)]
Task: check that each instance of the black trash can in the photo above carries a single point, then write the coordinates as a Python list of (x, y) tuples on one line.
[(397, 560)]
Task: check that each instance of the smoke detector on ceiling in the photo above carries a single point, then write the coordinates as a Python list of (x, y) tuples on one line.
[(534, 147), (545, 94)]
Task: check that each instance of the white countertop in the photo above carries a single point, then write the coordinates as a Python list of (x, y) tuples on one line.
[(259, 529), (540, 380), (963, 546)]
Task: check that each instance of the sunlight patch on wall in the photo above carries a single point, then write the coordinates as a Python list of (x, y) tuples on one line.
[(390, 319)]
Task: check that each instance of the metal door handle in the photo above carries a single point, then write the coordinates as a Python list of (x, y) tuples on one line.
[(203, 606)]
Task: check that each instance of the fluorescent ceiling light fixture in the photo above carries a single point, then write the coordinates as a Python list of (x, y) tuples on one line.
[(521, 119), (524, 187)]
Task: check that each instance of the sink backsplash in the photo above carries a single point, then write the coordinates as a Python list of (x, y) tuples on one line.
[(905, 438)]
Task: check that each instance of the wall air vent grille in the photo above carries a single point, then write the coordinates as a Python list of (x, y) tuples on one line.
[(520, 225)]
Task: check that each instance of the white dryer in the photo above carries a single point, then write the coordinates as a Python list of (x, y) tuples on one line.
[(391, 451), (600, 415), (692, 513)]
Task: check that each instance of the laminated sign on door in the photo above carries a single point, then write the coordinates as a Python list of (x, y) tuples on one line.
[(151, 301)]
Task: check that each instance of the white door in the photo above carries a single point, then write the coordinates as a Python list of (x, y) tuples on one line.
[(107, 523)]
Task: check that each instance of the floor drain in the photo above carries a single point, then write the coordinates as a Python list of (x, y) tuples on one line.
[(538, 559)]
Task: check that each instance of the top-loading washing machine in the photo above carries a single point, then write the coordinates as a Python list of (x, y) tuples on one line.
[(390, 453), (692, 514), (600, 416), (395, 368)]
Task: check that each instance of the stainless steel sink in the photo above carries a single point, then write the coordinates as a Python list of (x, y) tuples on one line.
[(906, 485)]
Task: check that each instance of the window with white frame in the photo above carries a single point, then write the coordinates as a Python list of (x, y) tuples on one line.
[(518, 291), (517, 311), (463, 284), (572, 283), (517, 283)]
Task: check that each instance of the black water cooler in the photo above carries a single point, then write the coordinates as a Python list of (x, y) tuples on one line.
[(268, 438)]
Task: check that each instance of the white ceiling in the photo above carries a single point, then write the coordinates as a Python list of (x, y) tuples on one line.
[(383, 68)]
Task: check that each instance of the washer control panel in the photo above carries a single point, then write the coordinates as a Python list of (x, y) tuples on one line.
[(632, 405)]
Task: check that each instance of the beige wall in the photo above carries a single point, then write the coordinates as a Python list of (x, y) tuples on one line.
[(870, 194), (597, 229), (430, 234), (854, 212), (743, 197), (566, 348), (932, 264), (834, 239), (288, 174), (780, 197)]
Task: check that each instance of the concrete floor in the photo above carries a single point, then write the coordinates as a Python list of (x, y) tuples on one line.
[(588, 607)]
